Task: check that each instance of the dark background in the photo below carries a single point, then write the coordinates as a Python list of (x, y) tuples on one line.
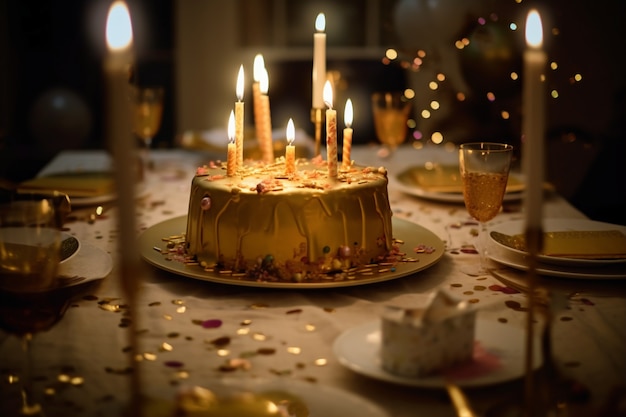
[(54, 57)]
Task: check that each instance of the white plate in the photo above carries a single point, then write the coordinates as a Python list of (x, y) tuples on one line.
[(321, 400), (412, 234), (413, 189), (358, 350), (89, 264), (520, 262), (554, 225), (20, 236)]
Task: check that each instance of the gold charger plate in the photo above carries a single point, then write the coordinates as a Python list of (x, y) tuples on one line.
[(412, 234), (443, 183)]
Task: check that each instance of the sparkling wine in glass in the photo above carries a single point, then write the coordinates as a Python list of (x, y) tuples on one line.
[(484, 170), (147, 112), (29, 259), (391, 111)]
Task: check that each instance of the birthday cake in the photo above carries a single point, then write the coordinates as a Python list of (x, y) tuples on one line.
[(264, 224)]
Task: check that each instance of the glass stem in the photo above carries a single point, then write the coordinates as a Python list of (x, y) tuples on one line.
[(29, 408), (482, 247)]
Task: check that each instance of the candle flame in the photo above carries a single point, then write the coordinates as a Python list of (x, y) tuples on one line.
[(534, 29), (327, 94), (231, 127), (259, 66), (320, 22), (348, 113), (119, 29), (291, 132), (264, 82), (239, 89)]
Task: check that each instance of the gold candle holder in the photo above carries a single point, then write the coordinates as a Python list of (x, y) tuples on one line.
[(317, 117)]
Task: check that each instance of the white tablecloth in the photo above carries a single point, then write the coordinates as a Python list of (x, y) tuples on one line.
[(288, 334)]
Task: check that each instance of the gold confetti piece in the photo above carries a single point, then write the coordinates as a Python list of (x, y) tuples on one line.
[(77, 381), (182, 374), (49, 392), (309, 327), (294, 350), (223, 352), (321, 362), (150, 356), (257, 306), (246, 322), (259, 337), (225, 272), (178, 302), (167, 317), (64, 378), (181, 309), (243, 331), (166, 347), (110, 307), (380, 271)]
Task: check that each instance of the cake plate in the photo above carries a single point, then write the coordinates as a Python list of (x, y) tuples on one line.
[(413, 236)]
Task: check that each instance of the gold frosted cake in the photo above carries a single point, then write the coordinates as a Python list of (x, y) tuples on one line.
[(267, 225)]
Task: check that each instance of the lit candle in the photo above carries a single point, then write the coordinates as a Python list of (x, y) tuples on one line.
[(239, 118), (119, 37), (258, 69), (266, 120), (231, 156), (347, 136), (319, 61), (331, 131), (290, 151), (533, 120)]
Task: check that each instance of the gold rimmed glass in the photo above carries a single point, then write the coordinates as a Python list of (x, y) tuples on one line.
[(147, 113), (29, 258), (484, 170), (391, 111)]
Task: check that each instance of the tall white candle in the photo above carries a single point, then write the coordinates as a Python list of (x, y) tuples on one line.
[(533, 120), (346, 161), (290, 150), (239, 112), (331, 131), (319, 62), (119, 36)]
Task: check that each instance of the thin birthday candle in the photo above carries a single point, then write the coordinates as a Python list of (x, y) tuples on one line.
[(266, 143), (239, 109), (231, 155), (346, 162), (290, 150), (331, 131), (259, 66)]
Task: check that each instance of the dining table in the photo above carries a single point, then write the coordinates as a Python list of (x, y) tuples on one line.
[(320, 343)]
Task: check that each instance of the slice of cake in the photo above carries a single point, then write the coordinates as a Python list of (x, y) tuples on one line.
[(264, 224), (418, 342)]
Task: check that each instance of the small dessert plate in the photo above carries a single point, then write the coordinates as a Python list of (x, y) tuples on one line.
[(498, 356)]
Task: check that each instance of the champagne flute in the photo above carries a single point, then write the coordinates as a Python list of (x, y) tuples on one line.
[(391, 111), (484, 170), (29, 259), (147, 112)]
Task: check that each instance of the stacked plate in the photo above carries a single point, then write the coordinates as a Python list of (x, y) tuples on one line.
[(573, 248)]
